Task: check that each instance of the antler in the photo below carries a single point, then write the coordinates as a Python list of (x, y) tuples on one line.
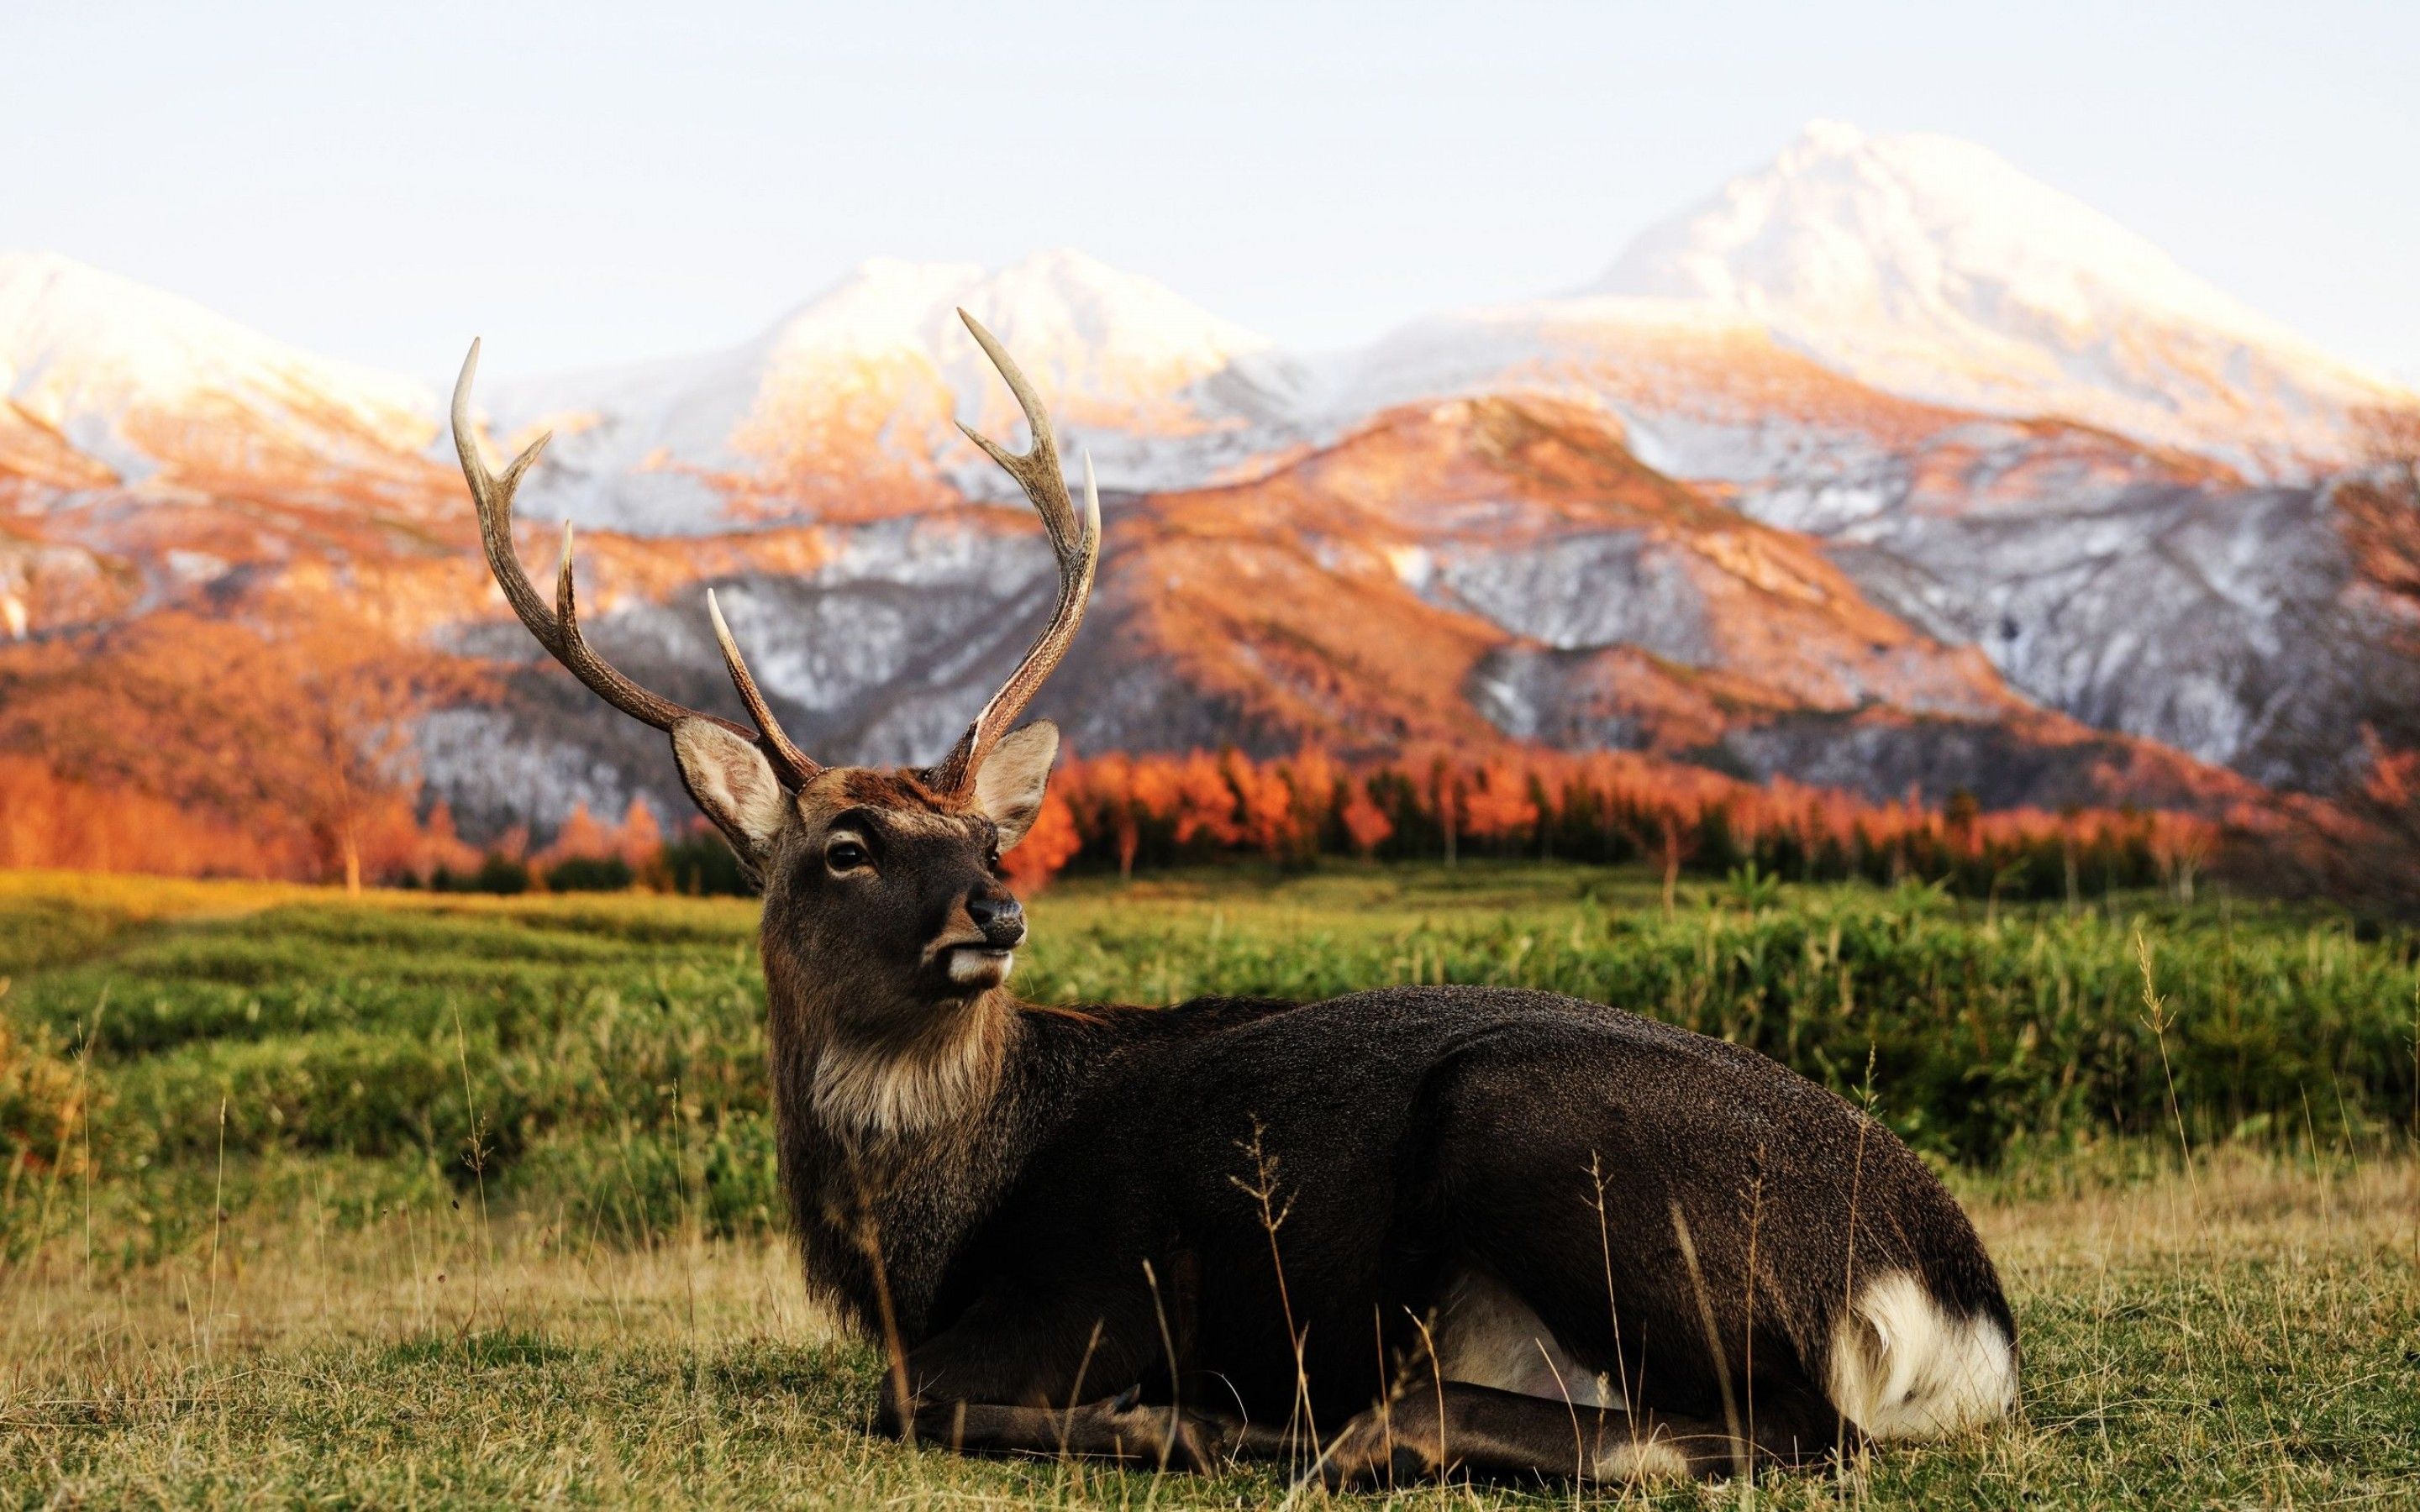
[(1075, 540), (558, 630)]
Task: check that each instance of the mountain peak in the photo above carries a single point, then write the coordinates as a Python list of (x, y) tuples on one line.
[(1934, 267), (1859, 224), (867, 376), (1046, 306), (1824, 134)]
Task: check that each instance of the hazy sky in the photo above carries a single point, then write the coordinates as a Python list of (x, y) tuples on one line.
[(606, 181)]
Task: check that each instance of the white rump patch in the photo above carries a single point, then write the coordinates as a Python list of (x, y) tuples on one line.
[(1902, 1367), (1488, 1336)]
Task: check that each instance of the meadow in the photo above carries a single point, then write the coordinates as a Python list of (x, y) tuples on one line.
[(455, 1200)]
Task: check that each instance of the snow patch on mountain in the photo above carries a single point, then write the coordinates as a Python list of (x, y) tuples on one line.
[(1703, 393)]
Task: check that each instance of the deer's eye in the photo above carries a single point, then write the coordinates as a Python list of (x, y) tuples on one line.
[(845, 855)]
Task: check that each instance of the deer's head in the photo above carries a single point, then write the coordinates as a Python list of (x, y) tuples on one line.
[(885, 881)]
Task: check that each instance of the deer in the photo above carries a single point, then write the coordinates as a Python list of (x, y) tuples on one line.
[(1408, 1232)]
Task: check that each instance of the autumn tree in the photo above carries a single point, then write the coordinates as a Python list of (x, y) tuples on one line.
[(1204, 803), (579, 838), (1445, 790), (1959, 818), (1318, 787), (2180, 846), (1499, 806), (1263, 806), (1156, 788), (1670, 843), (1366, 824), (1109, 786), (1051, 842), (641, 837)]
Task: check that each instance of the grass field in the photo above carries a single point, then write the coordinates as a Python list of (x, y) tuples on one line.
[(451, 1201)]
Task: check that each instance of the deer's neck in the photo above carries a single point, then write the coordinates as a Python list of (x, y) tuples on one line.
[(892, 1147), (922, 1089), (869, 1078)]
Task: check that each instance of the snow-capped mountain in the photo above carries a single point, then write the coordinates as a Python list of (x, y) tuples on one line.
[(845, 407), (1930, 266), (1789, 488), (1850, 298), (143, 383)]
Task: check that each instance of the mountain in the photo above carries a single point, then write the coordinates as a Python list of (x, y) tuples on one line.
[(101, 374), (2012, 422), (1814, 485), (1926, 265), (845, 405), (153, 454), (1447, 577)]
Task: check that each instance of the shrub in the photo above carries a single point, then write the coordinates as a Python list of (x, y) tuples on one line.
[(43, 1109), (590, 873), (704, 866), (497, 873), (612, 1047)]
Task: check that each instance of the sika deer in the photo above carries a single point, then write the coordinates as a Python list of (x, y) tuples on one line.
[(1413, 1231)]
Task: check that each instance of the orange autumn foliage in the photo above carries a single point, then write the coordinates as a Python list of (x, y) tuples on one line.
[(1050, 844), (186, 744), (1366, 824), (1499, 804), (1605, 805)]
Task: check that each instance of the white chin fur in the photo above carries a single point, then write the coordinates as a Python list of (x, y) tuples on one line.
[(969, 969)]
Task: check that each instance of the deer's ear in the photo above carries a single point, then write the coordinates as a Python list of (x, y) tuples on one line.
[(1009, 787), (729, 778)]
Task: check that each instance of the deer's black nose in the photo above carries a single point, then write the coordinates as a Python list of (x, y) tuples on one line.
[(1001, 917)]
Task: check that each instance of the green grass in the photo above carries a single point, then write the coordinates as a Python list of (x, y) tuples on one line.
[(462, 1201)]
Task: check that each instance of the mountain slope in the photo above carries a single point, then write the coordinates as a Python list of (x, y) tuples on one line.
[(1705, 394), (2152, 592), (1930, 266), (1445, 577), (143, 384)]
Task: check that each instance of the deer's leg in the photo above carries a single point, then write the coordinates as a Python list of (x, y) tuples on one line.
[(1121, 1428), (1039, 1373), (1478, 1430)]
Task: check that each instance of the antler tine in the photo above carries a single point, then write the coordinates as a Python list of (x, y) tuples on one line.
[(1075, 539), (793, 763), (558, 629), (1036, 470), (493, 499), (571, 649)]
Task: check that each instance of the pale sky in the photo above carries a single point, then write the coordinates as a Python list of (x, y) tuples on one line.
[(610, 181)]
